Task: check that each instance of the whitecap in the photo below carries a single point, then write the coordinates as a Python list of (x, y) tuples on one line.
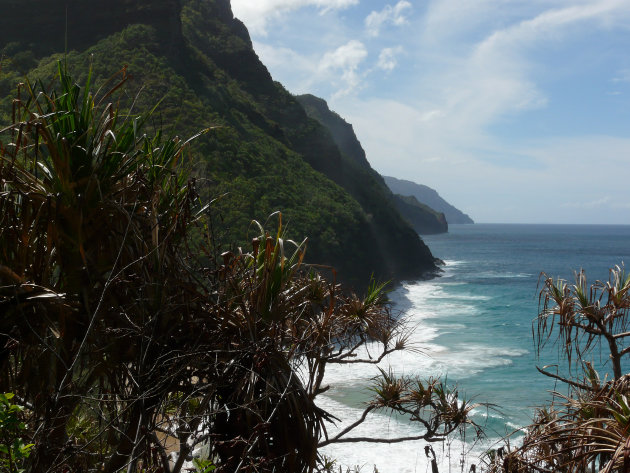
[(452, 262), (406, 457)]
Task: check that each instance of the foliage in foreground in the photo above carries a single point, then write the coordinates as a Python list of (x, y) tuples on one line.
[(124, 351), (13, 450), (587, 427)]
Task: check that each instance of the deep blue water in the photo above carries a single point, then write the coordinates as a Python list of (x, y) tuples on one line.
[(474, 325)]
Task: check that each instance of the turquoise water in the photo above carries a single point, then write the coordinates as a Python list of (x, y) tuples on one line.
[(502, 265), (474, 325)]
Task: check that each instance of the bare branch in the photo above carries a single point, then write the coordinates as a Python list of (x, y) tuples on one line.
[(566, 380), (394, 440), (365, 361), (352, 426)]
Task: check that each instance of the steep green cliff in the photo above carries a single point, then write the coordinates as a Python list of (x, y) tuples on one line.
[(423, 219), (263, 153), (341, 131)]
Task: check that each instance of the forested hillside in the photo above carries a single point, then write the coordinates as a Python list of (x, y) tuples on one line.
[(423, 218), (263, 152), (429, 197), (363, 182)]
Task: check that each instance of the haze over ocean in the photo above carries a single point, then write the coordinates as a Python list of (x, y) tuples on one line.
[(474, 324)]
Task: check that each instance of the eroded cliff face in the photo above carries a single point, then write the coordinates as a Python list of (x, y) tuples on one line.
[(45, 25), (423, 219)]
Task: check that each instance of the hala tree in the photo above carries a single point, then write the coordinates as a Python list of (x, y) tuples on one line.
[(92, 218), (130, 344), (587, 427)]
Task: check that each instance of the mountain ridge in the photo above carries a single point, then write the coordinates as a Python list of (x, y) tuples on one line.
[(429, 197), (263, 152), (423, 219)]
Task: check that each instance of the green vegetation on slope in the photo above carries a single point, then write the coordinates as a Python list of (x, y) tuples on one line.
[(340, 130), (423, 218), (361, 177), (263, 154)]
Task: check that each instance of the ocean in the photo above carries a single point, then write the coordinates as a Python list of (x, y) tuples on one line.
[(473, 326)]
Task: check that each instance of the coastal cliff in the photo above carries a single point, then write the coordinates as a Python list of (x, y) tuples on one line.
[(263, 153), (423, 219), (429, 197)]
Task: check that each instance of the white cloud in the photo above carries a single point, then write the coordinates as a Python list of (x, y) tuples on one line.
[(622, 76), (338, 71), (345, 59), (459, 20), (396, 15), (474, 72), (431, 115), (300, 71), (256, 14), (387, 59), (476, 83), (529, 181), (548, 25), (592, 204), (274, 57)]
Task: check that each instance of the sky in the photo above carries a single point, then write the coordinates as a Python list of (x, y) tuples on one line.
[(515, 111)]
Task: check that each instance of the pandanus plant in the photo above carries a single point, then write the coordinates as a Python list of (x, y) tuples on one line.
[(587, 427), (88, 204), (286, 325), (120, 352)]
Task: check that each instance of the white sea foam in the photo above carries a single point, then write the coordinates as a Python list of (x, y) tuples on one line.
[(485, 413), (452, 262), (405, 457), (514, 426), (423, 300), (428, 307), (463, 361)]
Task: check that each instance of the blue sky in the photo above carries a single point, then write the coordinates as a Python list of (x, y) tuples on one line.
[(514, 111)]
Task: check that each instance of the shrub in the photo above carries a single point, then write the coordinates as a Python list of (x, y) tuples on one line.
[(13, 450), (131, 354)]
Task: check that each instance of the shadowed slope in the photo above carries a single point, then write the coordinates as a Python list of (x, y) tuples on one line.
[(264, 153)]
